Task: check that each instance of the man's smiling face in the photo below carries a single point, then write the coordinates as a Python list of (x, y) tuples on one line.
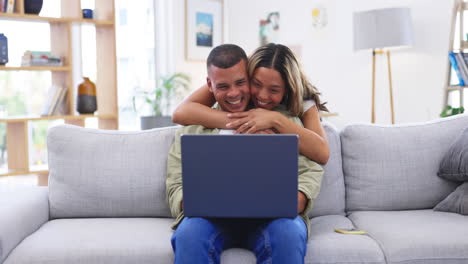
[(230, 86)]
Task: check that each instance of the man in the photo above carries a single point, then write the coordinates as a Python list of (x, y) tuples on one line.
[(200, 240)]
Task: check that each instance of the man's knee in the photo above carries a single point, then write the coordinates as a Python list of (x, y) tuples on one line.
[(285, 232), (194, 230)]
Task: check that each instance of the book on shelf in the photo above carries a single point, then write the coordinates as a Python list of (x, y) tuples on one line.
[(61, 107), (9, 6), (462, 66), (40, 58), (2, 6), (453, 62), (56, 101)]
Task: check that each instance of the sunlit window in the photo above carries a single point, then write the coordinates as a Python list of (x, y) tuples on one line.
[(135, 56)]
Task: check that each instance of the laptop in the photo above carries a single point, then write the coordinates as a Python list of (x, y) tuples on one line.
[(240, 176)]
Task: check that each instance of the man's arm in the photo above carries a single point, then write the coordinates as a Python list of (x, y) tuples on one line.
[(310, 179), (301, 202), (174, 177)]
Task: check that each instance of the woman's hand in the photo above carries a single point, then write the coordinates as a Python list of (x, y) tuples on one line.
[(253, 120), (267, 131)]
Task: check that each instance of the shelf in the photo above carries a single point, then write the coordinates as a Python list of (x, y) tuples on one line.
[(325, 114), (464, 45), (38, 169), (94, 21), (36, 68), (38, 118), (36, 18), (456, 87), (5, 173)]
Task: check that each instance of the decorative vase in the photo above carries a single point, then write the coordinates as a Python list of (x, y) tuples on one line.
[(32, 6), (86, 100)]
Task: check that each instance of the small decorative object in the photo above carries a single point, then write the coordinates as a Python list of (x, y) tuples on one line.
[(269, 28), (87, 13), (3, 49), (319, 17), (40, 58), (204, 24), (160, 100), (86, 101), (32, 6)]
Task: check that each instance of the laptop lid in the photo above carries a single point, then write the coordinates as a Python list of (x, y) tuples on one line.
[(240, 176)]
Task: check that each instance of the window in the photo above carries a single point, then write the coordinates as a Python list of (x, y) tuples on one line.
[(135, 56)]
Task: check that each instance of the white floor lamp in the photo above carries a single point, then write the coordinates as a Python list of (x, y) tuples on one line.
[(381, 29)]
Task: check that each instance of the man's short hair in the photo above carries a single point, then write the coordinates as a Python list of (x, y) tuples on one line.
[(225, 56)]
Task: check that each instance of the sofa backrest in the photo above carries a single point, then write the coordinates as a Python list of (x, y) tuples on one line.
[(331, 199), (395, 167), (103, 173)]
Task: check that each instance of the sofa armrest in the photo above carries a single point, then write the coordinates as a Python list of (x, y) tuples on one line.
[(22, 212)]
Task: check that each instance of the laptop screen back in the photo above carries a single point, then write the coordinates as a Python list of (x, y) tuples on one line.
[(240, 176)]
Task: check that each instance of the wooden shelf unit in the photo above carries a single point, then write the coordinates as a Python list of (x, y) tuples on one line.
[(35, 68), (36, 18), (459, 8), (17, 128)]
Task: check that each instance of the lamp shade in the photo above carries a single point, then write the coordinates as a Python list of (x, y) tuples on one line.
[(382, 28)]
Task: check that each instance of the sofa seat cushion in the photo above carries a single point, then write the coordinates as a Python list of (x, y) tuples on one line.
[(326, 246), (98, 240), (146, 240), (421, 236)]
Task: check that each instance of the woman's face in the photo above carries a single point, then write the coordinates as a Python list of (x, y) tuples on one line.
[(267, 88)]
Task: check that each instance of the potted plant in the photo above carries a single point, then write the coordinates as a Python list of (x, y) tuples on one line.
[(450, 111), (159, 100)]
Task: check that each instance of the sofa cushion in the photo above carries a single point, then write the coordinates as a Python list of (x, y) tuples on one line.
[(456, 202), (238, 256), (331, 199), (454, 165), (23, 210), (97, 241), (395, 167), (146, 240), (421, 236), (326, 246), (104, 173)]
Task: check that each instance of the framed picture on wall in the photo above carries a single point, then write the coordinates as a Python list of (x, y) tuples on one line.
[(203, 27)]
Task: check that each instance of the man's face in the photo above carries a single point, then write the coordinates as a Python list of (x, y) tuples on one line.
[(230, 86)]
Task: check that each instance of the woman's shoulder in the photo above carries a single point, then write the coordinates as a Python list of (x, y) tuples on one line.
[(307, 104)]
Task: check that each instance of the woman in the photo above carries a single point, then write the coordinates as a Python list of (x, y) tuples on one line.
[(276, 79)]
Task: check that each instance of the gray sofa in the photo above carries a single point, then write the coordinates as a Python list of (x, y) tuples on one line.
[(106, 200)]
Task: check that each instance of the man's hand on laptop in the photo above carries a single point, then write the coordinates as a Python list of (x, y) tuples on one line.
[(301, 202)]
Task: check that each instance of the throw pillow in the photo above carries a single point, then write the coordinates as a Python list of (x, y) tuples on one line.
[(454, 165), (456, 202)]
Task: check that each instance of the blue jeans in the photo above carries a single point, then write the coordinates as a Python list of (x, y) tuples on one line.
[(202, 240)]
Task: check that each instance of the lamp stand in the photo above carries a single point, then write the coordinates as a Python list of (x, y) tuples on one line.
[(374, 52)]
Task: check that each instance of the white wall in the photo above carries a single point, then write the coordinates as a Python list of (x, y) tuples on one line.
[(196, 69), (342, 75)]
